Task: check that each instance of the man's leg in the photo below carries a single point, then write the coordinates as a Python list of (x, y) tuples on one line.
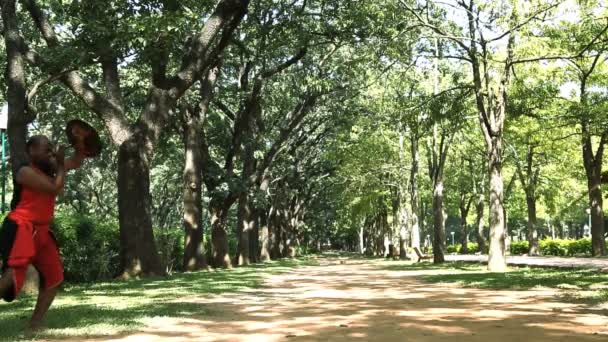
[(6, 282), (49, 266), (45, 299)]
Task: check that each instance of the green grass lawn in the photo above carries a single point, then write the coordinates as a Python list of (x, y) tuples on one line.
[(116, 307), (582, 285)]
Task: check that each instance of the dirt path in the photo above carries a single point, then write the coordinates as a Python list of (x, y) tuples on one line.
[(361, 301)]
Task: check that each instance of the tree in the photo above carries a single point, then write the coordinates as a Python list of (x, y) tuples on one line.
[(109, 46), (490, 83)]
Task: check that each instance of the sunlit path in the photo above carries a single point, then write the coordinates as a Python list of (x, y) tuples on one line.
[(368, 300)]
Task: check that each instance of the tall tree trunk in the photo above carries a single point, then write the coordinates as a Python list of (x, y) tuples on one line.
[(194, 254), (254, 238), (243, 228), (139, 253), (275, 235), (491, 107), (593, 171), (528, 177), (400, 214), (415, 227), (193, 135), (465, 206), (283, 236), (403, 231), (361, 241), (219, 237), (532, 236), (246, 216), (265, 237), (464, 242), (439, 242), (16, 87), (597, 216), (479, 224), (496, 261)]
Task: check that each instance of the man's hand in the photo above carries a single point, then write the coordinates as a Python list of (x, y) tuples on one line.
[(60, 156)]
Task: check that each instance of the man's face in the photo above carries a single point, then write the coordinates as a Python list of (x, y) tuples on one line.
[(43, 156)]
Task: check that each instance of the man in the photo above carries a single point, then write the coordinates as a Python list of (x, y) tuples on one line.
[(25, 237)]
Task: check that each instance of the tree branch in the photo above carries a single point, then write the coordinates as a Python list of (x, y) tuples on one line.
[(229, 113), (525, 22), (291, 61), (213, 38)]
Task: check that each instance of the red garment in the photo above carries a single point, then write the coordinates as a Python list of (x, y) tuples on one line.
[(33, 240)]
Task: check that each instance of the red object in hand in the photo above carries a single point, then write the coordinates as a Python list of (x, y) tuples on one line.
[(84, 138)]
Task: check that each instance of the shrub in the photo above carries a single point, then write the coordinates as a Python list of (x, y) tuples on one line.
[(580, 247), (519, 247), (89, 248), (170, 244), (554, 247), (472, 248), (454, 248)]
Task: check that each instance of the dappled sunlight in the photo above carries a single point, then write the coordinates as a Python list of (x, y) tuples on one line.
[(351, 301)]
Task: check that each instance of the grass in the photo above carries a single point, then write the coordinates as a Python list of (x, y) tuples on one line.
[(110, 308), (582, 285)]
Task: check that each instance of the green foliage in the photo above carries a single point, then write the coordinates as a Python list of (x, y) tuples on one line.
[(565, 247), (89, 248), (170, 244), (519, 247), (556, 247), (472, 248)]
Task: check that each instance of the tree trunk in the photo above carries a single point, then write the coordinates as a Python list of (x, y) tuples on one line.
[(415, 240), (497, 260), (464, 212), (219, 237), (403, 243), (194, 254), (283, 245), (464, 242), (246, 215), (265, 237), (532, 235), (193, 136), (243, 228), (16, 87), (254, 238), (275, 236), (439, 243), (597, 216), (479, 225), (139, 253), (361, 241), (593, 168)]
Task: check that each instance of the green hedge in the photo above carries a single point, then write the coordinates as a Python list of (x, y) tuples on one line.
[(557, 247), (471, 246), (519, 247)]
